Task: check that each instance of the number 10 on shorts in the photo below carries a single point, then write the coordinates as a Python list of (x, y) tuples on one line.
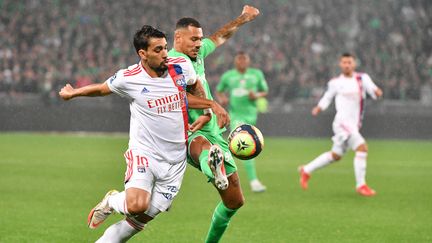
[(141, 164)]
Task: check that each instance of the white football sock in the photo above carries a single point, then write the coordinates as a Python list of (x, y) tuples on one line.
[(360, 168), (119, 232), (118, 203), (319, 162)]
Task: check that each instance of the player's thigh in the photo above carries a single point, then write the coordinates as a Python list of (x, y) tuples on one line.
[(340, 143), (235, 122), (139, 179), (197, 142), (139, 172), (233, 197), (167, 185), (239, 120)]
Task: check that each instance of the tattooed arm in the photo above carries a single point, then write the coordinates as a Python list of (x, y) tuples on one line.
[(248, 14), (197, 89)]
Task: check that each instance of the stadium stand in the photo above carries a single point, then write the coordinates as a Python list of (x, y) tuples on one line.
[(46, 43)]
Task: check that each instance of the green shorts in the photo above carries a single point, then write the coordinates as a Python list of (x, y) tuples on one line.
[(229, 163), (235, 122)]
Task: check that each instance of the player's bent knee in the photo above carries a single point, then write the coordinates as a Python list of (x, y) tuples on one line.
[(136, 205), (235, 204), (362, 148), (197, 145), (336, 156)]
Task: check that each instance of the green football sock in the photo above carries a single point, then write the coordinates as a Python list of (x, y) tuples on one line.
[(221, 218), (250, 169), (205, 168)]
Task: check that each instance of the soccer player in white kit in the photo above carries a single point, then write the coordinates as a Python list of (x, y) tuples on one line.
[(349, 90), (156, 157)]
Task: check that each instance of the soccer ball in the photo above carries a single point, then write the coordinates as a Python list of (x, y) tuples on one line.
[(245, 142)]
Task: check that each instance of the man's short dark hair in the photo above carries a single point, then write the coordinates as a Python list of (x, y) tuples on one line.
[(242, 53), (186, 22), (142, 37), (347, 54)]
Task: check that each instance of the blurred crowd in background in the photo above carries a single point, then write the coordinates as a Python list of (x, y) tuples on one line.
[(47, 43)]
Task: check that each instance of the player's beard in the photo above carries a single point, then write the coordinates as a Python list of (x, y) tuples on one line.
[(161, 68), (194, 58)]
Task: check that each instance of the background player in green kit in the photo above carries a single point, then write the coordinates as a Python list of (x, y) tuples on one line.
[(244, 86), (208, 151)]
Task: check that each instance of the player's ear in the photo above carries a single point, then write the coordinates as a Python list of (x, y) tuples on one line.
[(177, 35), (143, 54)]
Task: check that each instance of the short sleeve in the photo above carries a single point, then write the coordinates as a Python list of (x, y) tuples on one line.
[(369, 85), (189, 72), (117, 84), (207, 47), (262, 83), (223, 83), (328, 96)]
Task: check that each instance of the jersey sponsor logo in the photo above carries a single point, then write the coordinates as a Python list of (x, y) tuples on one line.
[(112, 78), (168, 103), (238, 92)]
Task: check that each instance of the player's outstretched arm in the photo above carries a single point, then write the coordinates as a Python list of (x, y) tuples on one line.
[(316, 110), (195, 102), (257, 95), (68, 92), (222, 98), (248, 14), (378, 92)]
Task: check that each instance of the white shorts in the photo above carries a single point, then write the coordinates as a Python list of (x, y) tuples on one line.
[(162, 180), (345, 138)]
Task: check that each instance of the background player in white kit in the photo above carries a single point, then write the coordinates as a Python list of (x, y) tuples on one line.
[(156, 158), (349, 90)]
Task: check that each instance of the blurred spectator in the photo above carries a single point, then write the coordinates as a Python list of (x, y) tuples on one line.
[(46, 43)]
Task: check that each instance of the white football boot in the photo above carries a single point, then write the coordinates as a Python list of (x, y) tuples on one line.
[(216, 163), (101, 211), (257, 186)]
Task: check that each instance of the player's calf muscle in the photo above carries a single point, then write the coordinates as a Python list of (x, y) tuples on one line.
[(233, 197), (362, 148)]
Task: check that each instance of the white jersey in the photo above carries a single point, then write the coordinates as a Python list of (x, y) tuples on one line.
[(349, 93), (158, 106)]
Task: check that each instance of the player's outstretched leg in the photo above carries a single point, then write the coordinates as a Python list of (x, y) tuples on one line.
[(210, 159), (360, 162), (101, 211), (232, 200), (255, 184), (123, 230), (321, 161), (216, 164)]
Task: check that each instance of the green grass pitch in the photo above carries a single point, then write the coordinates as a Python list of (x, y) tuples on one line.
[(49, 183)]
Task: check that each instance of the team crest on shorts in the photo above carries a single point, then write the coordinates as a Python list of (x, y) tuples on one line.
[(141, 169), (142, 163)]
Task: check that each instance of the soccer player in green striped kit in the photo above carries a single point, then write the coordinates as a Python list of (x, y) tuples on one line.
[(244, 85), (207, 149)]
